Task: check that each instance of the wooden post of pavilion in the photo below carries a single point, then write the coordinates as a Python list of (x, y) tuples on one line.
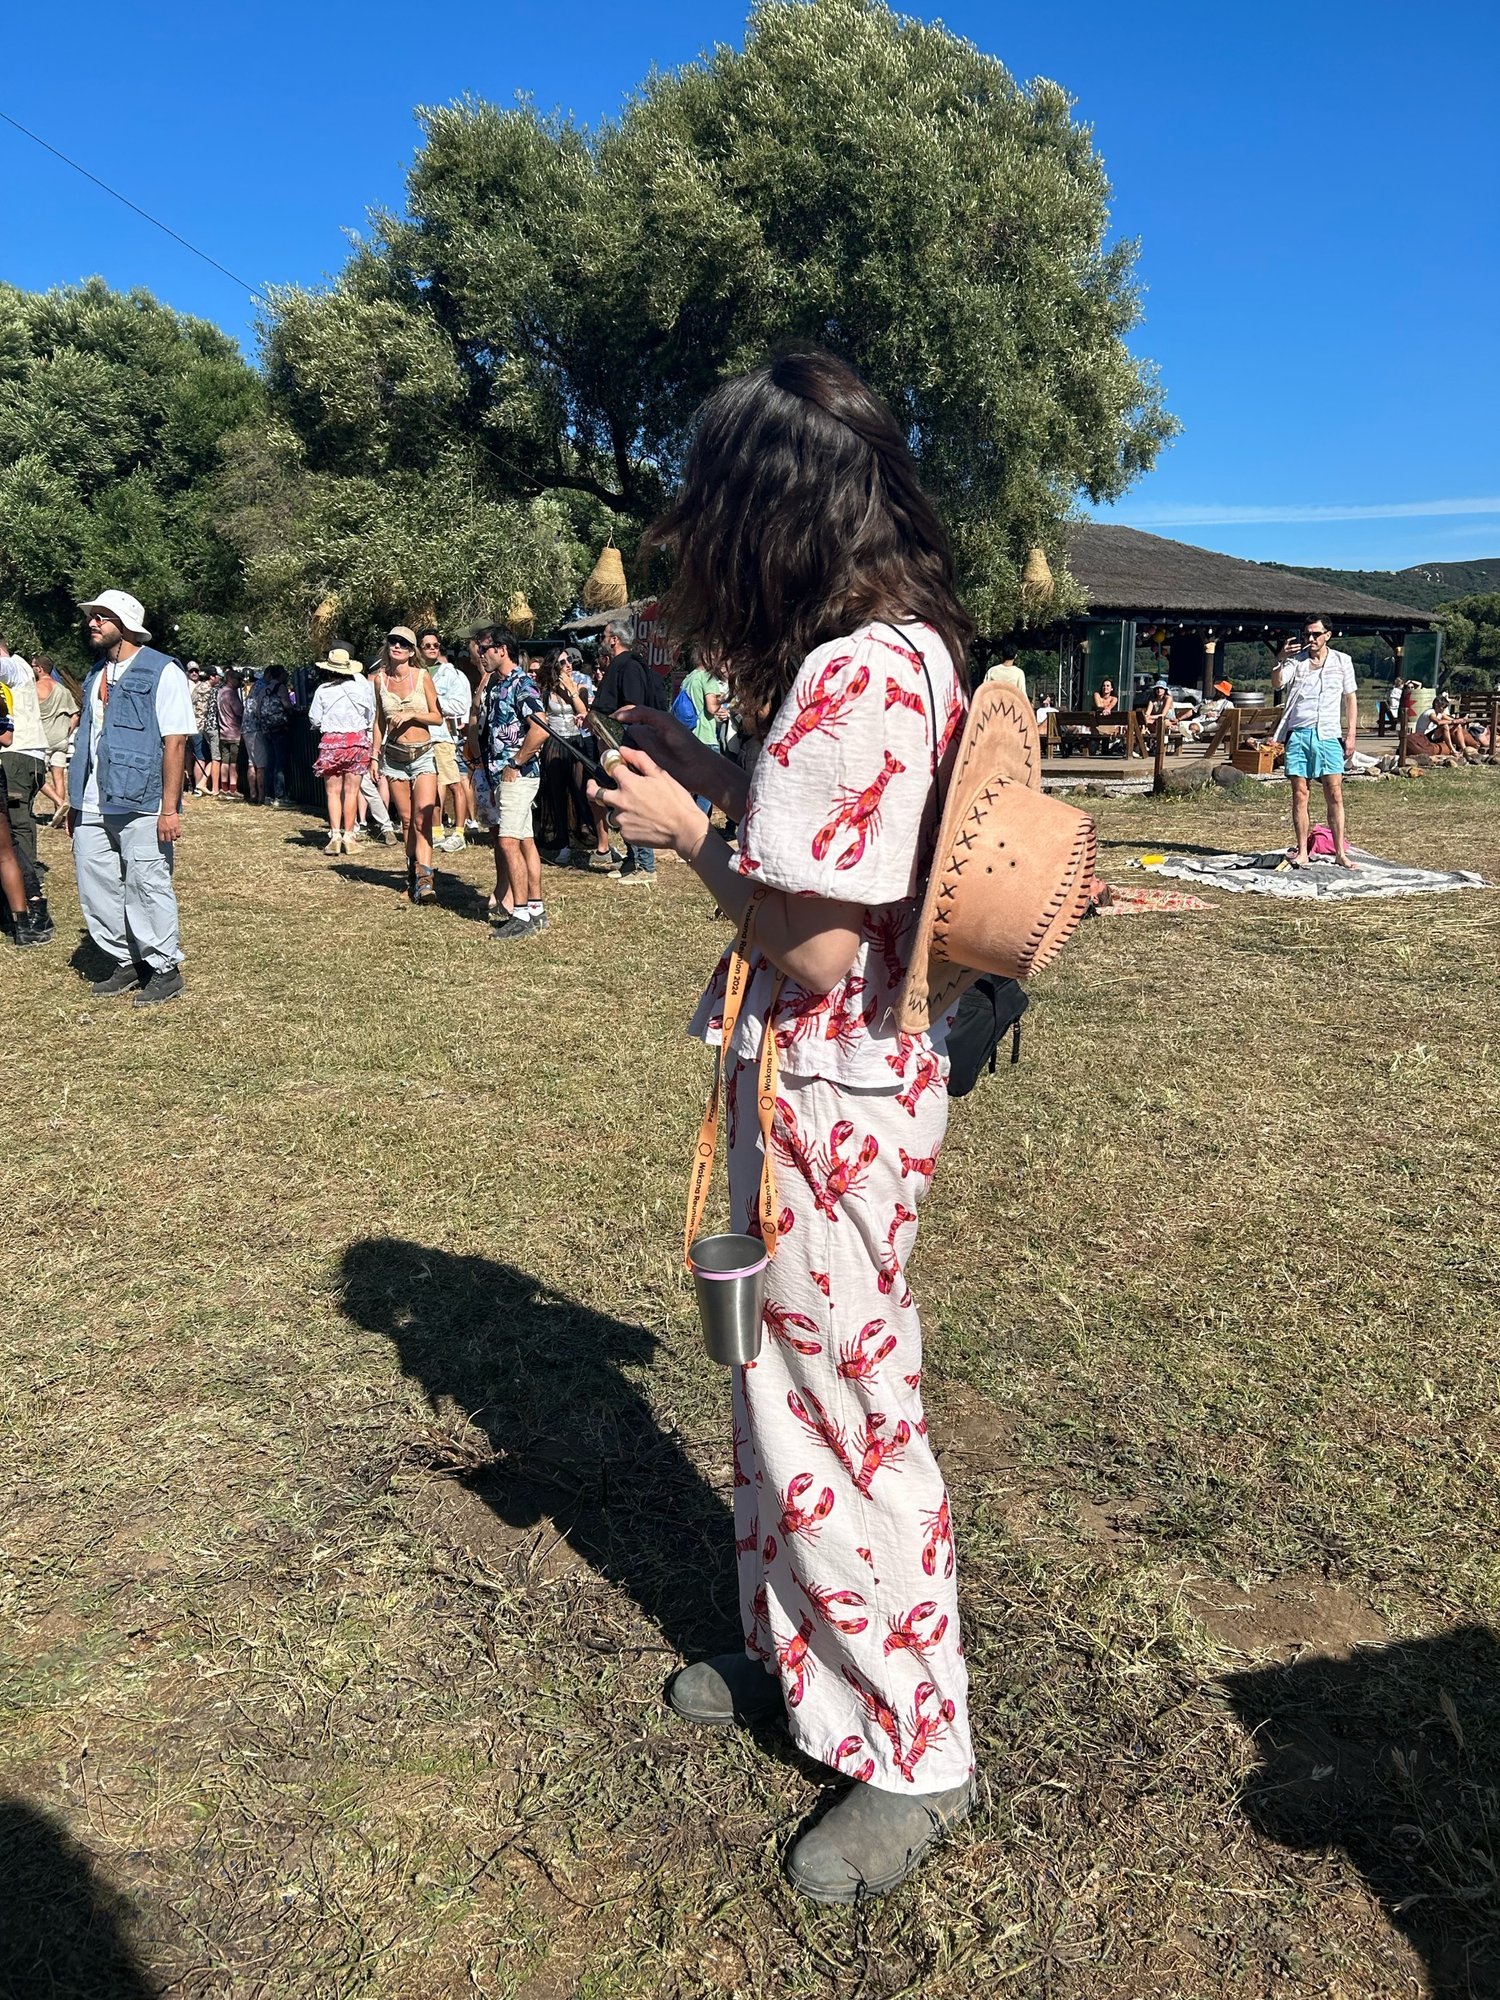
[(1210, 663), (1159, 761)]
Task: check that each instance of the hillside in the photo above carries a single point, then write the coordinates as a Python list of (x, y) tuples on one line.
[(1423, 586)]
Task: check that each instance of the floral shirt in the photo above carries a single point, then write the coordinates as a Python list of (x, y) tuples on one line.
[(843, 804), (508, 707)]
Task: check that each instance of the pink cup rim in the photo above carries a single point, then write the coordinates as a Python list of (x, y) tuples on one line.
[(723, 1277)]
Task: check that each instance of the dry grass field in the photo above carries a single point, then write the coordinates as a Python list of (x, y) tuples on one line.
[(363, 1479)]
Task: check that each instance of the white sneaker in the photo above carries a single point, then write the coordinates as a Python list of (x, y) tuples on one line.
[(335, 844), (451, 843), (632, 876)]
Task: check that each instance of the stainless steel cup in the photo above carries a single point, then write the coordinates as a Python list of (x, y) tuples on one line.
[(729, 1275)]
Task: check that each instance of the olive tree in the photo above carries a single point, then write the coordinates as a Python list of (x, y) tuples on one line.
[(556, 300)]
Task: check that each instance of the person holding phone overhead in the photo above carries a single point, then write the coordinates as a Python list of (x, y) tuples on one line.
[(811, 565)]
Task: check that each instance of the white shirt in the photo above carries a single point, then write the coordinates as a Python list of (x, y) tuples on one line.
[(1315, 695), (29, 738), (344, 707), (174, 717)]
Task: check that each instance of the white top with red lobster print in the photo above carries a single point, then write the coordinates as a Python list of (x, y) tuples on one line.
[(843, 804)]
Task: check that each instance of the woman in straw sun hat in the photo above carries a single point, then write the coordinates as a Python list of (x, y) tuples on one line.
[(812, 565), (343, 708)]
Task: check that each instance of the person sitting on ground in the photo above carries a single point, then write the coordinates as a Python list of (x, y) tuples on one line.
[(1444, 730), (57, 701), (406, 713), (343, 709)]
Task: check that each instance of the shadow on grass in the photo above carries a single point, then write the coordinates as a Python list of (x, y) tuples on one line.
[(62, 1930), (452, 891), (1393, 1755), (574, 1439)]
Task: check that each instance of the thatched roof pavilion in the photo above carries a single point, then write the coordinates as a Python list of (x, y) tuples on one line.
[(1192, 600)]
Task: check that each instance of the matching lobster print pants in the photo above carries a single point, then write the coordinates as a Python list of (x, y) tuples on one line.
[(846, 1567)]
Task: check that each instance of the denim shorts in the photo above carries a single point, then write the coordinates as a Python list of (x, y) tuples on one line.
[(1309, 755), (423, 765)]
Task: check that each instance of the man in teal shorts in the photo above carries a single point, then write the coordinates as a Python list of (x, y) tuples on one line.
[(1317, 726)]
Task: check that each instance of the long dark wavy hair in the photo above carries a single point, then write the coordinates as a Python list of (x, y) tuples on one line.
[(801, 516)]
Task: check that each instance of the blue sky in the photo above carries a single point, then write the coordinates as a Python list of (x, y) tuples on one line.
[(1315, 189)]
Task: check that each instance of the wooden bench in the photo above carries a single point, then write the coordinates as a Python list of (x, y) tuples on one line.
[(1477, 705), (1237, 725), (1126, 721)]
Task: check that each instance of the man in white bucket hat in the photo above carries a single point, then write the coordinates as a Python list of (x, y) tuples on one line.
[(125, 798)]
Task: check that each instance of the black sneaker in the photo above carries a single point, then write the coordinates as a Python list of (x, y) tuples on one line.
[(125, 978), (160, 986), (516, 926), (539, 921), (29, 930)]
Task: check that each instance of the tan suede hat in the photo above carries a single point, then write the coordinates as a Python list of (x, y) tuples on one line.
[(1012, 870)]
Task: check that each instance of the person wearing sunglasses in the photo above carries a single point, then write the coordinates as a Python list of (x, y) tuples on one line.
[(1317, 726), (406, 714)]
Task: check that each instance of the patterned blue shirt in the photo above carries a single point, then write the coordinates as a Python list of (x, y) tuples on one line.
[(509, 708)]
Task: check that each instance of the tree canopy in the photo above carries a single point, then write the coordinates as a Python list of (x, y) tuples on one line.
[(1471, 639), (112, 412), (556, 300)]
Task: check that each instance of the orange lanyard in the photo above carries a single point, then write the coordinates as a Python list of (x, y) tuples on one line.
[(768, 1078)]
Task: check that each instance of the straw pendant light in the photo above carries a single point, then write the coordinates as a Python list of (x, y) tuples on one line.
[(520, 617), (1037, 585), (321, 624), (605, 588)]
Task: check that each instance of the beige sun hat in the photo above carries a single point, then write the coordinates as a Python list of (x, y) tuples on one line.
[(127, 611), (1013, 868), (339, 661)]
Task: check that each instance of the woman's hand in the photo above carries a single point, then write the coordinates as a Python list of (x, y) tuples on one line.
[(676, 749), (649, 806)]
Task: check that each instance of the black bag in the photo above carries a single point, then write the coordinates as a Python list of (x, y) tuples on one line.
[(988, 1008)]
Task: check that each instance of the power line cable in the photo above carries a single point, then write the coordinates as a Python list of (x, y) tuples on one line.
[(135, 207)]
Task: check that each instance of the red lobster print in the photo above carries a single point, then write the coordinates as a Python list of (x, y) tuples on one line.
[(876, 1707), (817, 1422), (905, 1637), (805, 1521), (939, 1535), (739, 1471), (897, 696), (844, 1176), (823, 1283), (829, 1604), (747, 1546), (857, 813), (926, 1730), (768, 1553), (929, 1069), (890, 1263), (856, 1362), (846, 1021), (851, 1747), (884, 929), (780, 1322), (876, 1451), (906, 1045), (796, 1663), (824, 711), (926, 1165), (760, 1620), (747, 864)]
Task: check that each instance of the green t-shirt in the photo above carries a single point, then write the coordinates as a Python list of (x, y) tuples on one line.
[(699, 685)]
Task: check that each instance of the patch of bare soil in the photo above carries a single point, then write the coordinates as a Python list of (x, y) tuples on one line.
[(1290, 1616)]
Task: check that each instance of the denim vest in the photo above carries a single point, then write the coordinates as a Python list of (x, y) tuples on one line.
[(130, 747)]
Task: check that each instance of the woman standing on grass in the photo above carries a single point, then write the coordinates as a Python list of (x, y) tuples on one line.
[(343, 709), (58, 707), (813, 566), (406, 713), (231, 707)]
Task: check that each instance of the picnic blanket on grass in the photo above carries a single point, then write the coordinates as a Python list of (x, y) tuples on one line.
[(1273, 875)]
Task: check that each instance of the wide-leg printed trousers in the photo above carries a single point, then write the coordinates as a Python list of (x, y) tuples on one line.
[(844, 1540)]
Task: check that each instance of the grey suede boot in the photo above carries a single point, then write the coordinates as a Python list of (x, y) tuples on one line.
[(730, 1688), (872, 1840)]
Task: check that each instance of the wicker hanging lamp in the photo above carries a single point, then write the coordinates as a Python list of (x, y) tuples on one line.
[(605, 588), (520, 617), (322, 623), (1037, 584)]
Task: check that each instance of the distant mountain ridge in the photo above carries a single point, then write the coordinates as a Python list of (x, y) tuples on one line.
[(1424, 586)]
